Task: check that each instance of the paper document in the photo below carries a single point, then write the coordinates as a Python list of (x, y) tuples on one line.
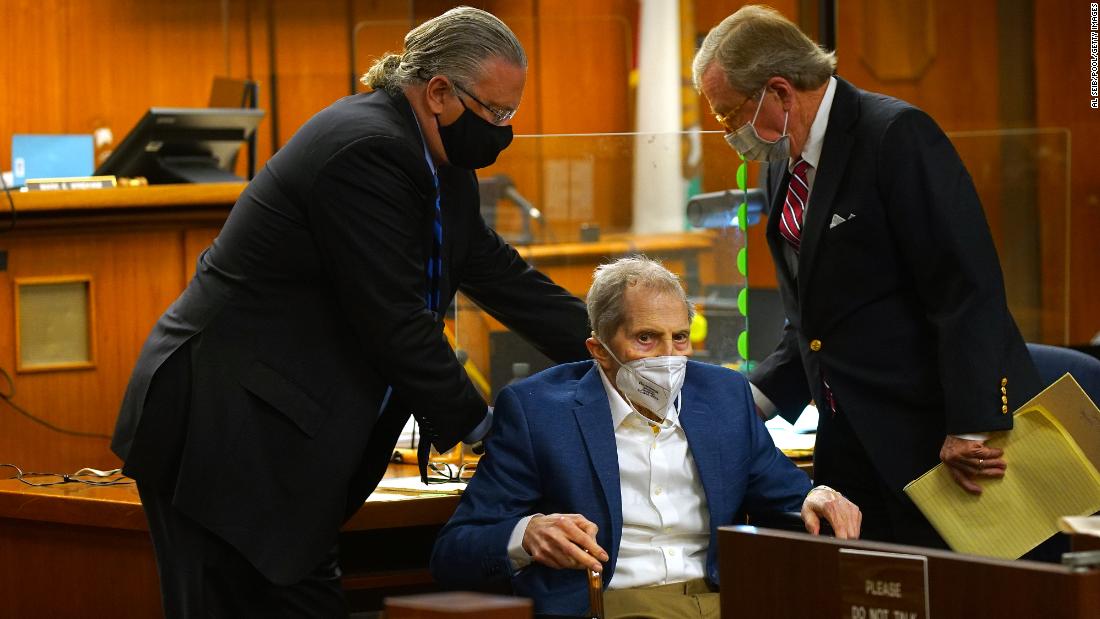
[(1081, 525), (413, 485), (796, 441), (1049, 476), (1076, 412)]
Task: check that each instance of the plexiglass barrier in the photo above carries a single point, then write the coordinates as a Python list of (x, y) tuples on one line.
[(1022, 176)]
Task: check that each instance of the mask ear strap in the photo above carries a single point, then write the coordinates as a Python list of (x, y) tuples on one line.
[(759, 105), (628, 369), (611, 353)]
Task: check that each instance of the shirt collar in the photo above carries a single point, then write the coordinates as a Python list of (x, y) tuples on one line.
[(621, 411), (811, 152)]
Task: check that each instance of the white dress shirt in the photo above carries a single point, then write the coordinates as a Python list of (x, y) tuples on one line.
[(666, 524)]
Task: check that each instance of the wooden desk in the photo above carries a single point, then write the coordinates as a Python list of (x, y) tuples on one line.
[(75, 550), (31, 203), (769, 573)]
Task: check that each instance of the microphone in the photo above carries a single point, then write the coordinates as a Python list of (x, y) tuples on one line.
[(518, 199)]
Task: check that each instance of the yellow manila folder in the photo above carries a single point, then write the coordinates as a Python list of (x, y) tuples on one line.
[(1049, 475)]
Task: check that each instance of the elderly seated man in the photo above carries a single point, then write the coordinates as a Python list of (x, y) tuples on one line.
[(626, 466)]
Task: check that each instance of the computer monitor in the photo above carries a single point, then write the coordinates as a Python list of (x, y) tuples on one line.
[(184, 145)]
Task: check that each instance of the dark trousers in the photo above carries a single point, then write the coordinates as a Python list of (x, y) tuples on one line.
[(203, 576), (841, 462)]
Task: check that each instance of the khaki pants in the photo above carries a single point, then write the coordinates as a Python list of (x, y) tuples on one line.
[(693, 599)]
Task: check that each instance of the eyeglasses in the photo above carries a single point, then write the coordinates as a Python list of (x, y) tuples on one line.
[(98, 478), (500, 115), (442, 473), (723, 119)]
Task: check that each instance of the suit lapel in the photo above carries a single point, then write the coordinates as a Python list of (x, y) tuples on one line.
[(703, 436), (593, 415), (834, 159)]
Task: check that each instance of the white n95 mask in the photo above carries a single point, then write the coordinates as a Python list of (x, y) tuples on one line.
[(755, 148), (652, 382)]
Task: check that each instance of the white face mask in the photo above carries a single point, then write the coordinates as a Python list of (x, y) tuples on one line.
[(755, 148), (652, 382)]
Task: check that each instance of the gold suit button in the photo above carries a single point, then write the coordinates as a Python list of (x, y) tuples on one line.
[(1004, 409), (1004, 399), (815, 345), (1004, 381)]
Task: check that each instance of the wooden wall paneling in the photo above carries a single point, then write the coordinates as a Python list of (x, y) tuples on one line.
[(31, 52), (311, 43), (136, 277), (1063, 100), (74, 66), (378, 26), (160, 53), (245, 33), (902, 44), (959, 88), (585, 58), (9, 419)]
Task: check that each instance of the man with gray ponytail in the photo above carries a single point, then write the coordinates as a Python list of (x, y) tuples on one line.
[(269, 397)]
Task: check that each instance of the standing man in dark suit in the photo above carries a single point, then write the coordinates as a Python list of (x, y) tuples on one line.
[(897, 324), (268, 398)]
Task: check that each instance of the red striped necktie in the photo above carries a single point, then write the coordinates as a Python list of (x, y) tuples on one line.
[(798, 191)]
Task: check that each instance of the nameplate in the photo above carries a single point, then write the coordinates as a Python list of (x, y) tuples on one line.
[(882, 585), (82, 182)]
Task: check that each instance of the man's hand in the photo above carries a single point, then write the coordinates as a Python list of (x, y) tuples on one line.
[(970, 460), (564, 541), (839, 512)]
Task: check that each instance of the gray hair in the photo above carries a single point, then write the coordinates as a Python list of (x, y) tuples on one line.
[(455, 44), (606, 312), (757, 43)]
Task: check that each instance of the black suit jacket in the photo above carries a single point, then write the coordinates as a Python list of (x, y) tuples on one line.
[(905, 296), (309, 303)]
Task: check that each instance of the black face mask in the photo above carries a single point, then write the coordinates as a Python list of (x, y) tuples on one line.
[(472, 142)]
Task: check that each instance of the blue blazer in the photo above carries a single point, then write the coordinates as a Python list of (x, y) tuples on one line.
[(552, 450)]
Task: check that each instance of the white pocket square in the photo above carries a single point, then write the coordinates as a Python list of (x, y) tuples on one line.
[(837, 220)]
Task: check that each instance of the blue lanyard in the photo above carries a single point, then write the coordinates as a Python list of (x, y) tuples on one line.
[(435, 261), (434, 267)]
